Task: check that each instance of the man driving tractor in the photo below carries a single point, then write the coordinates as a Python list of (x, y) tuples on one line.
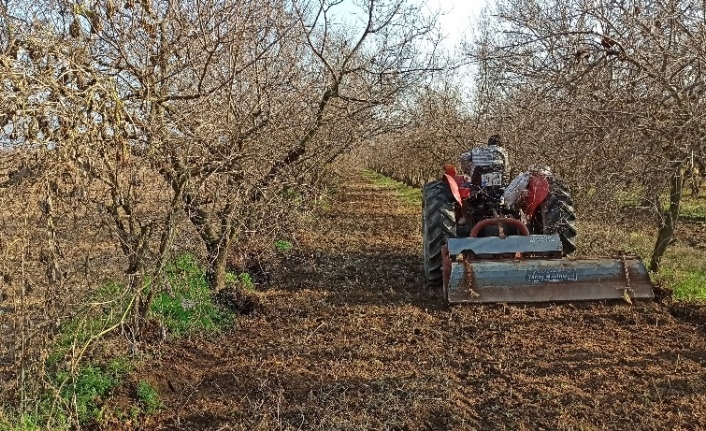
[(487, 165)]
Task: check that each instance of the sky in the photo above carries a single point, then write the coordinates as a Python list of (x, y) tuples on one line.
[(457, 18)]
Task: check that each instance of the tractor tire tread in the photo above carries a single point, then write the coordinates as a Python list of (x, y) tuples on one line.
[(561, 215), (438, 224)]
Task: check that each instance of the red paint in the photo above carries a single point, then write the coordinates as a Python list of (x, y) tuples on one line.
[(537, 192), (505, 221), (456, 190)]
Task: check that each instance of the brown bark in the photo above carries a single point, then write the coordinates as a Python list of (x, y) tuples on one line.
[(669, 218), (216, 269)]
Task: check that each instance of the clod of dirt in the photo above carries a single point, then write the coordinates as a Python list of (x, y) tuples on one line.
[(238, 301), (662, 295)]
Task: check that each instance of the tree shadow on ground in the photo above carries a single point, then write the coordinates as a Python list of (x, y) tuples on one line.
[(375, 278), (251, 397)]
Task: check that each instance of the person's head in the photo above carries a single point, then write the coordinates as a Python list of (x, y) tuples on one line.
[(495, 140)]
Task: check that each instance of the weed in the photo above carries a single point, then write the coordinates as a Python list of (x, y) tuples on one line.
[(283, 246), (242, 280), (293, 196), (108, 308), (25, 423), (323, 203), (84, 391), (187, 306), (78, 394), (148, 397)]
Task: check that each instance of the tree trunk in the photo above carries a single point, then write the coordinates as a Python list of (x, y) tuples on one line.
[(695, 177), (669, 218), (216, 270)]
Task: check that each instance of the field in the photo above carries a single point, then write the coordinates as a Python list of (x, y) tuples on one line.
[(347, 337), (190, 239)]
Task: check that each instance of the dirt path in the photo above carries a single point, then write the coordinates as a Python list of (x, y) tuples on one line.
[(350, 338)]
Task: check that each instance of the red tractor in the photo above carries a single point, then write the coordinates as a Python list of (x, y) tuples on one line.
[(487, 242)]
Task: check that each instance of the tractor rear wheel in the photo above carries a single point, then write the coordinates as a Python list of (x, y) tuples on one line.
[(438, 224), (559, 216)]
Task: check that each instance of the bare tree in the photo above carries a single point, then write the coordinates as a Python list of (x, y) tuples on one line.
[(243, 122), (613, 92)]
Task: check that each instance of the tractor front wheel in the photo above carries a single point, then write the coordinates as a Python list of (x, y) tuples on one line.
[(438, 224)]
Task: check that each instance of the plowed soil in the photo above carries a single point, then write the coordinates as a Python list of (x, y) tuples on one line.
[(348, 337)]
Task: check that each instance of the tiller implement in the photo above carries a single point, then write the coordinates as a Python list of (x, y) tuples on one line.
[(490, 243)]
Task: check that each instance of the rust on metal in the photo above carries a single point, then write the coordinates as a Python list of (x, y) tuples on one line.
[(627, 289), (468, 274)]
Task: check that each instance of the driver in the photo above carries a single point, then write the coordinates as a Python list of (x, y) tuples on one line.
[(487, 165)]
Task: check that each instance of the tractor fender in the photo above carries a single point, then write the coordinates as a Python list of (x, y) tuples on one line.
[(537, 193), (458, 192)]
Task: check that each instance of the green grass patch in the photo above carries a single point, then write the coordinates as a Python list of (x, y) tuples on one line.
[(148, 397), (408, 195), (28, 423), (187, 306), (78, 388), (106, 309), (683, 269), (323, 199), (85, 390), (283, 246), (685, 285), (684, 273), (692, 208), (74, 396), (242, 280)]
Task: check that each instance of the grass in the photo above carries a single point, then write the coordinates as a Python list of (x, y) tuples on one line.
[(78, 391), (687, 285), (77, 394), (148, 397), (693, 208), (78, 387), (106, 310), (242, 280), (186, 306), (683, 268), (85, 390), (406, 194), (283, 246), (684, 272)]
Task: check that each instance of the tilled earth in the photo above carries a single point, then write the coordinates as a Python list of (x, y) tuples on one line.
[(348, 337)]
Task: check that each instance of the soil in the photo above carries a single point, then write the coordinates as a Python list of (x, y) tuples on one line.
[(347, 336)]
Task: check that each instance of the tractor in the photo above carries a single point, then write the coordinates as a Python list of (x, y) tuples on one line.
[(492, 241)]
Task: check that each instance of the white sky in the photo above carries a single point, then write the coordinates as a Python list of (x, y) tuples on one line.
[(458, 17)]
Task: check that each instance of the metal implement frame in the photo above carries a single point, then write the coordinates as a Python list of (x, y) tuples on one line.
[(531, 269)]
